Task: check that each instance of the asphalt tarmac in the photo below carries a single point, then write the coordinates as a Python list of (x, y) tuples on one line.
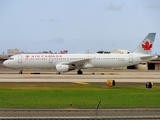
[(121, 76), (87, 114)]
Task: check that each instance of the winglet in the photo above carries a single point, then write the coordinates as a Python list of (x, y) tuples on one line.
[(146, 45)]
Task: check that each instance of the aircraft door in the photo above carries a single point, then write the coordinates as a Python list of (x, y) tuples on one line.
[(130, 58), (19, 59), (50, 60)]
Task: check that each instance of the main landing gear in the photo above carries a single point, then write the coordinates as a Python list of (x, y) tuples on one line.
[(20, 72), (79, 72)]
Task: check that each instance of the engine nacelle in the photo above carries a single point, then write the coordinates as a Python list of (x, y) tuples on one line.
[(64, 68)]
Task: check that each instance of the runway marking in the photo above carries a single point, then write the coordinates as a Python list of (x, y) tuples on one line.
[(109, 73), (83, 83)]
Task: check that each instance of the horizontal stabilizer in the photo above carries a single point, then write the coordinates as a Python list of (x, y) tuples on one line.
[(148, 57)]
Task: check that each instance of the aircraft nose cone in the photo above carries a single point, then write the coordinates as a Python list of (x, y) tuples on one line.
[(6, 63)]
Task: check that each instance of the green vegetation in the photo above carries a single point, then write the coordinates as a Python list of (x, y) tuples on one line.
[(80, 96)]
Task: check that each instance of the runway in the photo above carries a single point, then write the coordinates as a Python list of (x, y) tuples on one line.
[(79, 114), (88, 77)]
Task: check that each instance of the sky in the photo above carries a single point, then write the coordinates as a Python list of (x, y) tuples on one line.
[(78, 26)]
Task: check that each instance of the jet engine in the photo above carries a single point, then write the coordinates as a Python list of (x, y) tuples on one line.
[(65, 68)]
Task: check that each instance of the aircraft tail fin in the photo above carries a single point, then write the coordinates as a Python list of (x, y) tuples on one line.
[(146, 45)]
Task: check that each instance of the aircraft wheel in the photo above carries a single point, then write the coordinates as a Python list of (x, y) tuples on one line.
[(79, 72), (20, 72)]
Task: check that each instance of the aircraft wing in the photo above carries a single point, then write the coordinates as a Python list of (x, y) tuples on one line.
[(78, 63)]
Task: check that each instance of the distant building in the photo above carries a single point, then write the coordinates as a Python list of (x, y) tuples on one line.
[(64, 52), (120, 51), (11, 52)]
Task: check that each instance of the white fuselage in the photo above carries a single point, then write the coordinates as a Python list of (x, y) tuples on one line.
[(95, 60)]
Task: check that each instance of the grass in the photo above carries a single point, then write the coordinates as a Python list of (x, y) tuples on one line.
[(80, 96)]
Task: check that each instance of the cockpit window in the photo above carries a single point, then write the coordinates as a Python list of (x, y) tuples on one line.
[(11, 58)]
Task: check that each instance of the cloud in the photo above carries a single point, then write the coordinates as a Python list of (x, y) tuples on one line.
[(57, 41), (51, 41), (42, 20), (115, 7), (154, 7), (55, 20), (51, 20), (60, 40)]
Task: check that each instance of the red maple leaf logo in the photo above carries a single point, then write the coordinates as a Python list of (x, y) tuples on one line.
[(147, 46)]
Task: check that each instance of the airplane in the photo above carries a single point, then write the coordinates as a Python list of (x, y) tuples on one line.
[(68, 62)]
